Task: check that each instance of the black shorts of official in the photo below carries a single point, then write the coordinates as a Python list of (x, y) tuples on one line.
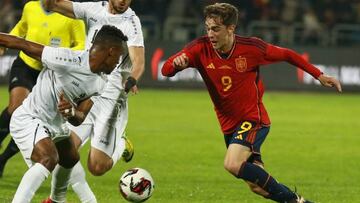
[(22, 75), (249, 134)]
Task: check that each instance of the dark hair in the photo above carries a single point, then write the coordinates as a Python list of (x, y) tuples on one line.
[(110, 34), (227, 13)]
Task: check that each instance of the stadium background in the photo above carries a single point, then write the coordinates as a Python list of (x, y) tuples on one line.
[(317, 131)]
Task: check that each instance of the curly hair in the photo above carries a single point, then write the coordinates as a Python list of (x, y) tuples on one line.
[(111, 34)]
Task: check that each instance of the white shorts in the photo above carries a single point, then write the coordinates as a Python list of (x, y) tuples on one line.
[(27, 131), (105, 125)]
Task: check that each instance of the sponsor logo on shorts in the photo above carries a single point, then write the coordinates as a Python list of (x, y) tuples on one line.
[(105, 142), (15, 79)]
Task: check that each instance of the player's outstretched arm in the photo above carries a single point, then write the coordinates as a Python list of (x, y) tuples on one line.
[(275, 53), (77, 115), (63, 7), (30, 48), (329, 81)]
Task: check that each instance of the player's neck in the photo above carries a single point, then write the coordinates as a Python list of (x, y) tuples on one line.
[(228, 46), (111, 9)]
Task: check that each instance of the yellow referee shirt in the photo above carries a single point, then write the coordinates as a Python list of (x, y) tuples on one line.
[(48, 28)]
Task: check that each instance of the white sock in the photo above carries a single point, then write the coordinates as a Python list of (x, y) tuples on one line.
[(119, 149), (59, 183), (30, 183), (80, 186)]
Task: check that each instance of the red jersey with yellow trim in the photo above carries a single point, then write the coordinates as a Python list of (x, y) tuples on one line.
[(233, 81)]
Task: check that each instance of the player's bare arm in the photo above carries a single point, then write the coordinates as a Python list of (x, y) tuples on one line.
[(30, 48), (181, 62), (137, 57), (63, 7), (77, 115)]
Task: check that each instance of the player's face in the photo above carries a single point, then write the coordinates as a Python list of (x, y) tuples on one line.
[(104, 59), (120, 6), (220, 35), (113, 59)]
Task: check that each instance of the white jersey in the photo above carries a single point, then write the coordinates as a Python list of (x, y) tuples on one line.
[(95, 15), (65, 71)]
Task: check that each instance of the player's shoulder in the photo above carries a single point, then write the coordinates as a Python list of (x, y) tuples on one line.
[(64, 56), (30, 5), (200, 41), (251, 41), (129, 15)]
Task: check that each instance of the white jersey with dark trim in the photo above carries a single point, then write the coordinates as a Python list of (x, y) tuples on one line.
[(65, 71), (95, 15)]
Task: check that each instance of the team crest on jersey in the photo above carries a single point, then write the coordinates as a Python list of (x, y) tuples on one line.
[(241, 64)]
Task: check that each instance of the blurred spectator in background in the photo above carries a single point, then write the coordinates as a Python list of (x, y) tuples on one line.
[(7, 15), (288, 18), (280, 21), (312, 27)]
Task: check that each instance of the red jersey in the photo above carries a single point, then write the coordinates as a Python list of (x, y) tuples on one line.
[(233, 81)]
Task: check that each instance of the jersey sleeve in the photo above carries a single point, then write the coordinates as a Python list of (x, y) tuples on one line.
[(83, 10), (191, 51), (134, 33), (275, 54), (78, 35), (21, 27), (59, 59)]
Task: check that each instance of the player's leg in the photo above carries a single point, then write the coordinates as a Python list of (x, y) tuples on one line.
[(38, 150), (77, 180), (242, 145), (22, 79), (68, 157), (108, 143)]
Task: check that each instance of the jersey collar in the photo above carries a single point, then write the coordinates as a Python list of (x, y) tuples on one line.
[(230, 53), (43, 9)]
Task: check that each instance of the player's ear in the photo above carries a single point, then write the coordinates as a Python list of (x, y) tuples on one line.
[(231, 28), (111, 51), (114, 50)]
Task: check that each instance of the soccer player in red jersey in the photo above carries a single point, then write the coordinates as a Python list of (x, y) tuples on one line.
[(229, 65)]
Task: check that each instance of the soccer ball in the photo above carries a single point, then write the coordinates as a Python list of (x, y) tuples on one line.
[(136, 185)]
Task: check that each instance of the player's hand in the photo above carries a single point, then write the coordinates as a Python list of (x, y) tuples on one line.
[(130, 84), (66, 109), (329, 81), (134, 89), (181, 62), (2, 50)]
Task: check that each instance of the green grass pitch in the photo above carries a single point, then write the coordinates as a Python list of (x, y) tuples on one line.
[(313, 144)]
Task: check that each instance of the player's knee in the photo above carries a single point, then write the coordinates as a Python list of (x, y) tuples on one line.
[(232, 166), (11, 108), (70, 161), (98, 168), (13, 105), (49, 161)]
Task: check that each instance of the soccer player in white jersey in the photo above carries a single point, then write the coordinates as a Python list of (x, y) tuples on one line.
[(105, 124), (69, 77)]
